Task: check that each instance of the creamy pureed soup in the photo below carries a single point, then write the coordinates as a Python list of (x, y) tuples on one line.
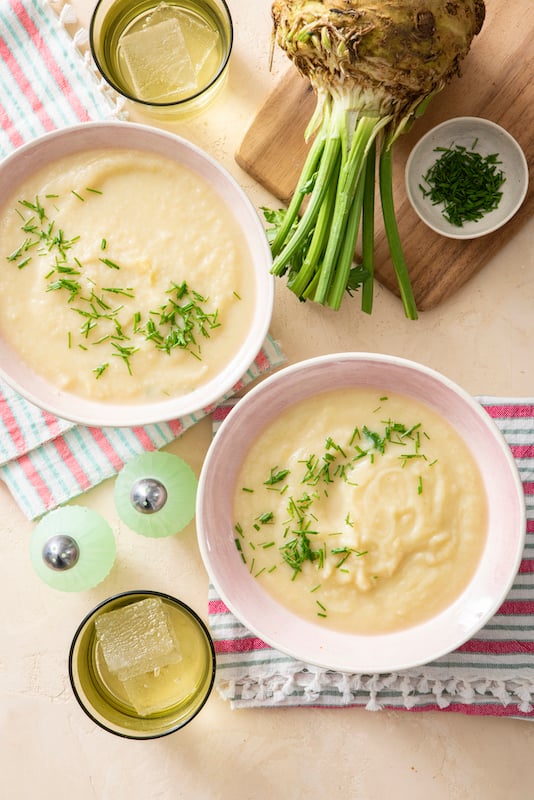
[(124, 277), (362, 511)]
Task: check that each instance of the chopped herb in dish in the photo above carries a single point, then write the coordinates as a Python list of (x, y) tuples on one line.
[(467, 184)]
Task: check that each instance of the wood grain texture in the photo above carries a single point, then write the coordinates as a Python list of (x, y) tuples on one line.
[(497, 83)]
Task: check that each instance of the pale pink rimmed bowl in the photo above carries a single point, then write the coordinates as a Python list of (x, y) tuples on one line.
[(306, 641), (29, 158)]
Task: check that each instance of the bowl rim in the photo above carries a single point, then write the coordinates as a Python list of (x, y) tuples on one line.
[(132, 135), (412, 185), (389, 657)]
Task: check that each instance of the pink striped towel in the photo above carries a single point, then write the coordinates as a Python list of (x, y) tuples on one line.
[(47, 84), (492, 674)]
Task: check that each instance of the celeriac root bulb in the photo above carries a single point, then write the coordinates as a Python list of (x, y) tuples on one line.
[(398, 51), (374, 67)]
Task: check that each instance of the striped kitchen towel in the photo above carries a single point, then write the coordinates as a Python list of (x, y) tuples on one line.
[(45, 461), (47, 83), (492, 674), (44, 82)]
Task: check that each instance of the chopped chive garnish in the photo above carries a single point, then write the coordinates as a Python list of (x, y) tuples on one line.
[(301, 539), (276, 476), (128, 292), (467, 184), (177, 323), (99, 371), (267, 518), (109, 263)]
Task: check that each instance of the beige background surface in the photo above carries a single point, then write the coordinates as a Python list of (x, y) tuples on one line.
[(481, 338)]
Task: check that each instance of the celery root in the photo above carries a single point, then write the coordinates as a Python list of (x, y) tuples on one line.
[(374, 65)]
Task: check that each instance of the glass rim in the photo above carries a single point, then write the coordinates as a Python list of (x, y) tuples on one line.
[(172, 103), (152, 593)]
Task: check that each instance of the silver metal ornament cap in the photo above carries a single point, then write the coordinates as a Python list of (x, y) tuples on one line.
[(60, 552), (148, 495)]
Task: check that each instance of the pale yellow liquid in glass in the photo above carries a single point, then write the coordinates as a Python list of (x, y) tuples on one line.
[(169, 687), (163, 52)]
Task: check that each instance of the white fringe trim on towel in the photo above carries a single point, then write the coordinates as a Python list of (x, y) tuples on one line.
[(305, 686), (68, 17)]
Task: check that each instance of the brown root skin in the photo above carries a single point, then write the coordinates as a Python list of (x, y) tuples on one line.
[(403, 50)]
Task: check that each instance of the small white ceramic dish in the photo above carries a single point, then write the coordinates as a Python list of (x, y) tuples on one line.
[(311, 642), (489, 138), (50, 147)]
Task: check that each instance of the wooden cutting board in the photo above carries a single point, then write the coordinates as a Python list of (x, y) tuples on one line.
[(497, 83)]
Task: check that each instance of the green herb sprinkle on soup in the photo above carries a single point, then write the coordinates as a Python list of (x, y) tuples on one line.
[(362, 511)]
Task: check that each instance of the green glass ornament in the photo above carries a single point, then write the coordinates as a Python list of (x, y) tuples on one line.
[(72, 548), (155, 494)]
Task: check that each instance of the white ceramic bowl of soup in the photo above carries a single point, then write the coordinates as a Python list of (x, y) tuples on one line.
[(143, 211), (234, 568)]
